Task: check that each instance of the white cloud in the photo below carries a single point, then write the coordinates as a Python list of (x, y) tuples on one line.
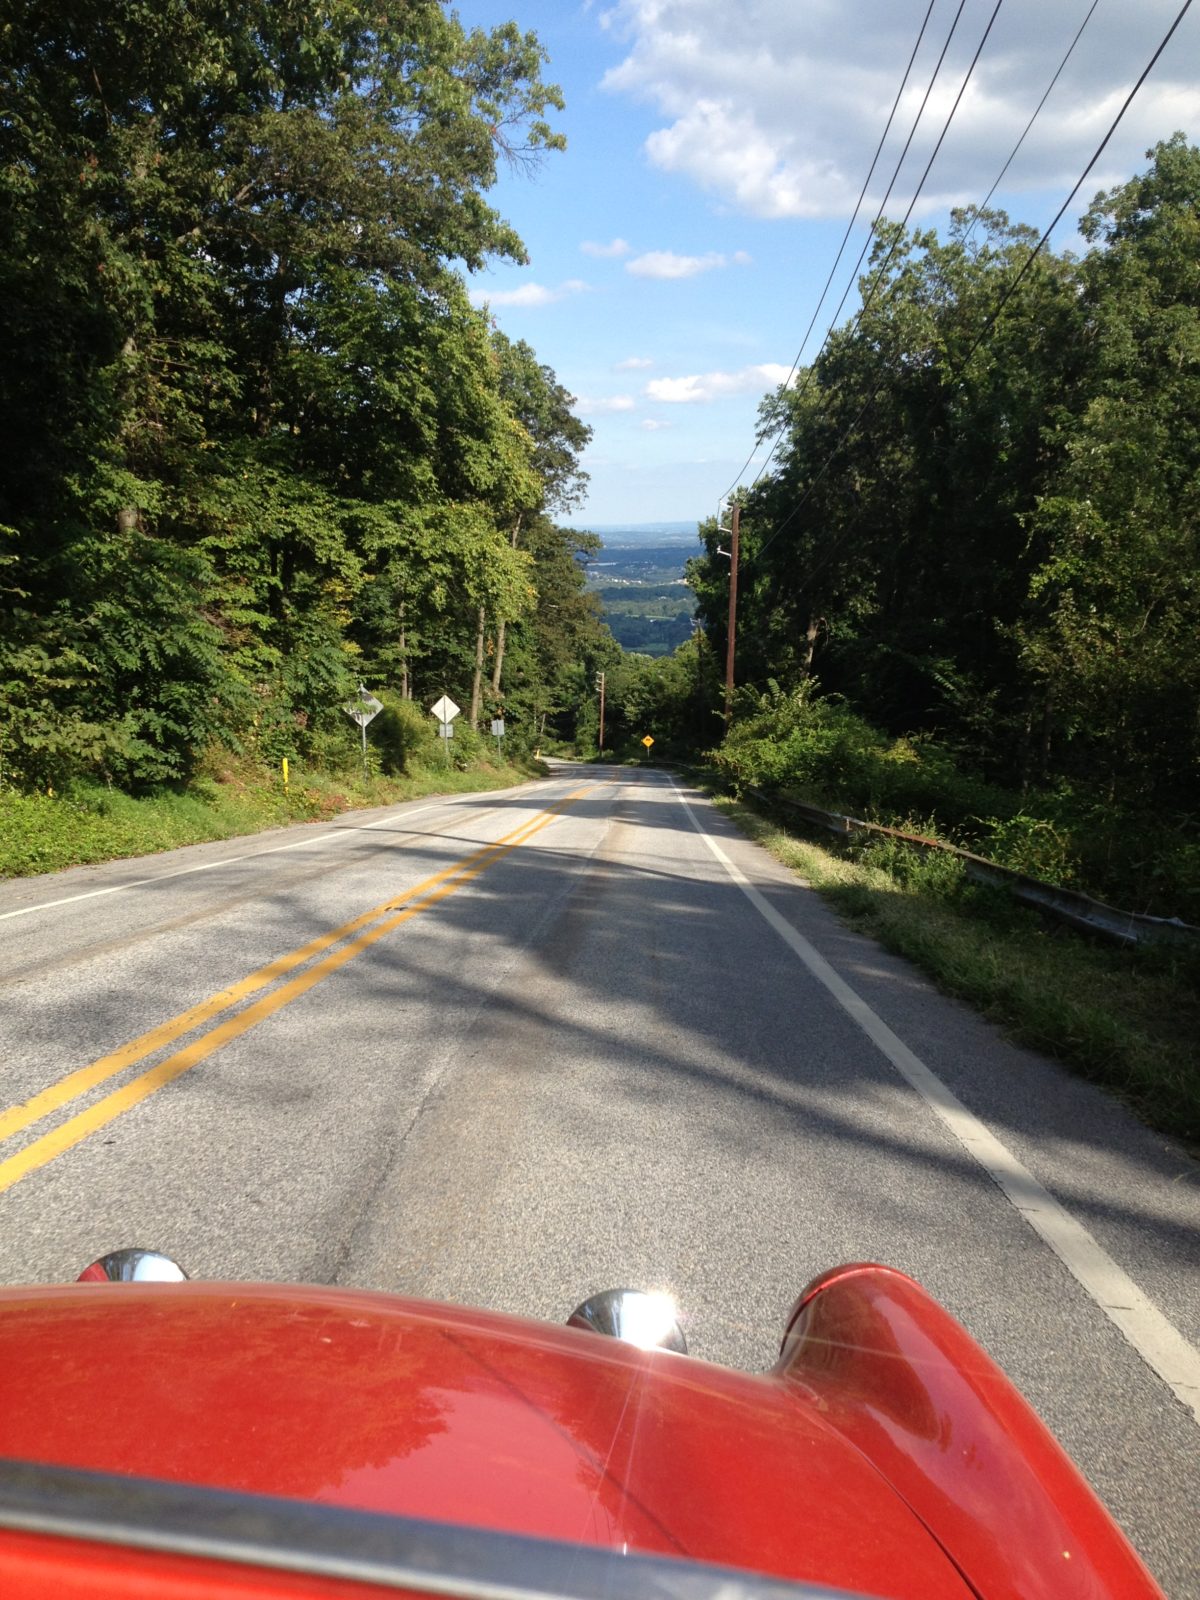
[(528, 294), (703, 387), (617, 247), (776, 107), (653, 424), (666, 264), (634, 364), (604, 404)]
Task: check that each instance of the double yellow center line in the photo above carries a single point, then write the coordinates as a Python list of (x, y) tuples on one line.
[(358, 935)]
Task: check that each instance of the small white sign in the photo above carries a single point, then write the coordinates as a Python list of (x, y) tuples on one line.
[(497, 727), (445, 710), (445, 730)]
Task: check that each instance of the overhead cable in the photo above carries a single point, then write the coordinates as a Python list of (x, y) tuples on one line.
[(1012, 155), (1058, 216), (849, 226), (1007, 296), (870, 231), (884, 264)]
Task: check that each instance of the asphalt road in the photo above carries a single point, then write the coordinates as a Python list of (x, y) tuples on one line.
[(584, 1058)]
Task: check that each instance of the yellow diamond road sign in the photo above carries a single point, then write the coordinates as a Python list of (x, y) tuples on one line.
[(647, 741)]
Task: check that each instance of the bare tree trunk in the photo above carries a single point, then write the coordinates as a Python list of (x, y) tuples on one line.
[(405, 684), (129, 518), (500, 630), (477, 681), (811, 634), (499, 657)]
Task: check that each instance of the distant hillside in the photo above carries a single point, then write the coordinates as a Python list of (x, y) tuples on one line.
[(640, 584), (683, 533)]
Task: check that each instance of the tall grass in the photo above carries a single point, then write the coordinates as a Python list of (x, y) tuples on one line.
[(1128, 1019), (91, 822)]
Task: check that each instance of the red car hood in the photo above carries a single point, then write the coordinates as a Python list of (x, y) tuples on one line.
[(367, 1401)]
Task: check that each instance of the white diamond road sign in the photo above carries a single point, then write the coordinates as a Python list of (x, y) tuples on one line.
[(445, 710), (363, 709)]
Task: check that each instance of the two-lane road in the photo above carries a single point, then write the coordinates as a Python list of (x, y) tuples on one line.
[(511, 1048)]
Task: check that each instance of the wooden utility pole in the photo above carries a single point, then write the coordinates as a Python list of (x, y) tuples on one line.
[(729, 651), (600, 686)]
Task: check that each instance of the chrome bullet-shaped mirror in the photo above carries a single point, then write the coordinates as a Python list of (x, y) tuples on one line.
[(649, 1321), (133, 1266)]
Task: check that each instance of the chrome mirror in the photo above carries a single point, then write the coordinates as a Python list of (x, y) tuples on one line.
[(133, 1266), (649, 1321)]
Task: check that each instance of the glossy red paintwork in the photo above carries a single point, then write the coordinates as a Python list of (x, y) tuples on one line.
[(386, 1405), (894, 1373), (463, 1416), (37, 1568)]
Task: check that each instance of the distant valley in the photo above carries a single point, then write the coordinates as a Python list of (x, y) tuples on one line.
[(638, 577)]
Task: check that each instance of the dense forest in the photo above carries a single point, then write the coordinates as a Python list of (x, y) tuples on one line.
[(258, 443), (981, 531)]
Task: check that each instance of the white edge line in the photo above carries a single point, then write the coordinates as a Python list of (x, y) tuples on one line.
[(1159, 1343), (229, 861)]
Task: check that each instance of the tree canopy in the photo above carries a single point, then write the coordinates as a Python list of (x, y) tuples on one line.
[(260, 441), (994, 540)]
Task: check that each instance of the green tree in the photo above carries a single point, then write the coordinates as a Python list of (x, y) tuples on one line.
[(557, 438), (237, 348), (1115, 599)]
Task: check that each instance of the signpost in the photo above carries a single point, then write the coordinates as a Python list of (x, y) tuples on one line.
[(445, 711), (497, 731), (362, 710), (647, 741)]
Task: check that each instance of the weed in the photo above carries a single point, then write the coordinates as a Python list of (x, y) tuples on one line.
[(1129, 1019), (92, 822)]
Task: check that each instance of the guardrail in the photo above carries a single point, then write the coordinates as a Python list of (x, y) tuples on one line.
[(1067, 905)]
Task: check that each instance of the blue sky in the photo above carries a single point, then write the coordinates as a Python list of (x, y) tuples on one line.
[(716, 149)]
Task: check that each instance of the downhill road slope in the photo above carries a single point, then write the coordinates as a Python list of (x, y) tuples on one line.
[(509, 1049)]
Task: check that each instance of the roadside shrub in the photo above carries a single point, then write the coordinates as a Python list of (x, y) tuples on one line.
[(1033, 846), (827, 754), (935, 873), (402, 734), (798, 744), (467, 748)]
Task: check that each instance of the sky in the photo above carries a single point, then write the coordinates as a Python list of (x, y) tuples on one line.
[(716, 150)]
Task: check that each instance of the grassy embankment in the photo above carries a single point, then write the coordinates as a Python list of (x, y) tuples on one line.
[(1126, 1018), (1129, 1019), (91, 822)]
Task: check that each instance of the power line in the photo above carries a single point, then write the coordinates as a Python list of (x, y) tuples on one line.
[(982, 206), (1099, 151), (849, 227), (1007, 296), (871, 230), (1012, 155), (883, 267)]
